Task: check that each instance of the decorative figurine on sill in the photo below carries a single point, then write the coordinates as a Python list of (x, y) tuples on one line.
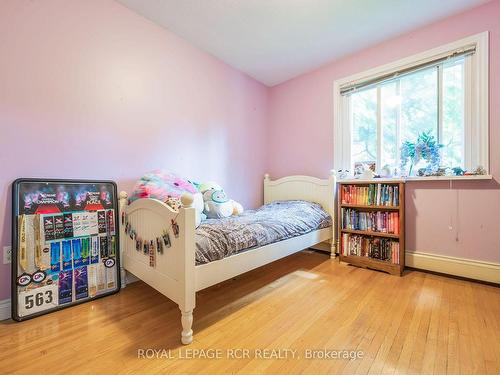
[(457, 171), (343, 174), (367, 174), (425, 148), (439, 172), (480, 171), (385, 172)]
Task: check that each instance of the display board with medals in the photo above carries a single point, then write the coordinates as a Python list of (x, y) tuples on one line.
[(64, 244)]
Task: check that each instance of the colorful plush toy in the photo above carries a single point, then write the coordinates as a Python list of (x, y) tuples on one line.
[(168, 187), (220, 205), (210, 200), (217, 204), (161, 185)]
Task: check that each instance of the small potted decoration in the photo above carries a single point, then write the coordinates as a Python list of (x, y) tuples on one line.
[(425, 148), (479, 171)]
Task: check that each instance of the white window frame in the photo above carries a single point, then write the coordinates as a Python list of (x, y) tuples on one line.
[(476, 101)]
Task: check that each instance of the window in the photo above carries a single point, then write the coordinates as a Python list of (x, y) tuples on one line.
[(442, 94)]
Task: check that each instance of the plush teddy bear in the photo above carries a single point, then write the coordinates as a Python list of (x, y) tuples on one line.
[(217, 205)]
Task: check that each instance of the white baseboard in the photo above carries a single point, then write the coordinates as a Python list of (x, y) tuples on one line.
[(129, 279), (472, 269), (5, 309)]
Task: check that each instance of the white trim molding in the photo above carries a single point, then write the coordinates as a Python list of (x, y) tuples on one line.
[(476, 100), (5, 309), (471, 269), (130, 278)]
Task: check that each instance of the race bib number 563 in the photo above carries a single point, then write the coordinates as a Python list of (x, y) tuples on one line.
[(38, 299)]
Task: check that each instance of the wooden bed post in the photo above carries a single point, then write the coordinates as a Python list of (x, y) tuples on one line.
[(188, 299), (266, 183), (332, 180), (123, 202)]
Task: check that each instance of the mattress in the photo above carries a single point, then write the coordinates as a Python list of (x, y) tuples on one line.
[(273, 222)]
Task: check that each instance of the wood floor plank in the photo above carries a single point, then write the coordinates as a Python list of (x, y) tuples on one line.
[(415, 324)]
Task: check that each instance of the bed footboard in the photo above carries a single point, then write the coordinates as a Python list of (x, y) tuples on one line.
[(172, 272)]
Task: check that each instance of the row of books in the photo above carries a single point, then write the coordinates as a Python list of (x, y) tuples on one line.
[(385, 249), (377, 221), (371, 195)]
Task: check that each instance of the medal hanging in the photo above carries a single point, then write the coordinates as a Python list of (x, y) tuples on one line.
[(23, 256), (85, 249), (38, 244)]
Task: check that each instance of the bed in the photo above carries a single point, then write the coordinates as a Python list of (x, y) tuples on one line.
[(182, 269)]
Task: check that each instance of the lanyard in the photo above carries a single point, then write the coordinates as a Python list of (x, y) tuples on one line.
[(23, 257)]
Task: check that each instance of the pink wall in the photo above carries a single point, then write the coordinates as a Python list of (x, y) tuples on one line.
[(301, 140), (89, 89), (82, 82)]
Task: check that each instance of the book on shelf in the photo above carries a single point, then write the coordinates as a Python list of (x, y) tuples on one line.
[(378, 221), (384, 249), (371, 195)]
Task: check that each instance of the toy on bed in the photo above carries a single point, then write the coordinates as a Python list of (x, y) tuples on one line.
[(168, 188), (217, 205)]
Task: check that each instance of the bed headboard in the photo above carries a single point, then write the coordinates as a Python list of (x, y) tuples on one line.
[(304, 188)]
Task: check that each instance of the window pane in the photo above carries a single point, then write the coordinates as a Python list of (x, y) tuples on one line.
[(364, 127), (453, 115), (419, 107), (408, 108), (391, 101)]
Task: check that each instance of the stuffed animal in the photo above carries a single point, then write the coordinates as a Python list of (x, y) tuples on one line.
[(161, 185), (210, 185), (168, 187), (217, 205), (237, 208)]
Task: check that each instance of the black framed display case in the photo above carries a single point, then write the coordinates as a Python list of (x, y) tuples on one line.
[(65, 244)]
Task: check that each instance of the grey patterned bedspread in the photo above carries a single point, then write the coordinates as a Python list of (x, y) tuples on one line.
[(273, 222)]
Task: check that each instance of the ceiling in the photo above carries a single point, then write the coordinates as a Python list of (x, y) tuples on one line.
[(276, 40)]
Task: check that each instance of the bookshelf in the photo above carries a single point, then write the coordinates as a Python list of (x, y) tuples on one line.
[(371, 223)]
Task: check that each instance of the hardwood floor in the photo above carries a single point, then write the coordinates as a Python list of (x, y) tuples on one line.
[(417, 324)]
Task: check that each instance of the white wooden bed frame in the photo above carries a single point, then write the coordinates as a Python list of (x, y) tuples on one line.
[(175, 274)]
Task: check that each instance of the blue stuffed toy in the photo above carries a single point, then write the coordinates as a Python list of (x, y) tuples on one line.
[(217, 204)]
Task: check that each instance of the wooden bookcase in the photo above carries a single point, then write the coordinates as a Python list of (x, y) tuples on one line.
[(367, 261)]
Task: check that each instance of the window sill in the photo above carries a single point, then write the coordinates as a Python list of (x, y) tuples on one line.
[(419, 179), (451, 178)]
